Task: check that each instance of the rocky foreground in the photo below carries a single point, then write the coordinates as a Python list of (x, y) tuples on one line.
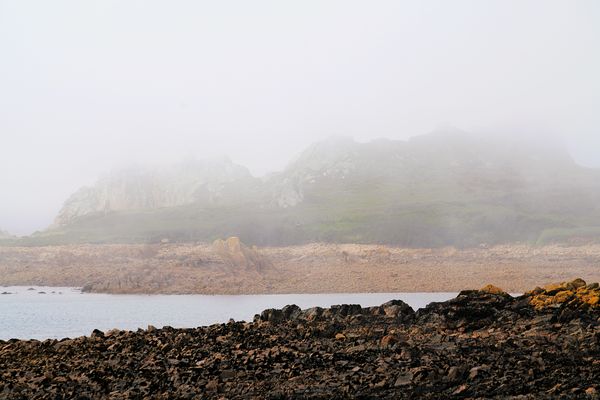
[(482, 344)]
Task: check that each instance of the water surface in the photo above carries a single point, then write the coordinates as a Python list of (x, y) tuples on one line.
[(51, 312)]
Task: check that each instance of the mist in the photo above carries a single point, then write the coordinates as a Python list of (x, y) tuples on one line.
[(86, 87)]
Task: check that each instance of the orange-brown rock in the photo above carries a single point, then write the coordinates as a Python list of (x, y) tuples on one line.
[(554, 288), (576, 293), (492, 290)]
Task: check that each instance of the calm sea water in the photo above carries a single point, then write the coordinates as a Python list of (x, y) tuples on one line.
[(51, 312)]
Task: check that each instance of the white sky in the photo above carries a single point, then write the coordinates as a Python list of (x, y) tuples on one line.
[(86, 86)]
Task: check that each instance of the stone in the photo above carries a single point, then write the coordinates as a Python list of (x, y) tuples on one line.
[(578, 283), (563, 296), (461, 389), (345, 351), (593, 286), (388, 340), (593, 300), (97, 333), (272, 315), (291, 312), (234, 253), (491, 289), (455, 373), (392, 339), (476, 372), (227, 374), (312, 313), (554, 288), (212, 385), (403, 379)]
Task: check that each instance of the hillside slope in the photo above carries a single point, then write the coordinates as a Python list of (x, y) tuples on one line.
[(445, 188)]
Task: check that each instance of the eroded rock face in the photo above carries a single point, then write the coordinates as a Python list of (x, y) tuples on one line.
[(216, 181), (482, 344)]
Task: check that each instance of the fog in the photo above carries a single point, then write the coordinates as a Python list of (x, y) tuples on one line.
[(89, 86)]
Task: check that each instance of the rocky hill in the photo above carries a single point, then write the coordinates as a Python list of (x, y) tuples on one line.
[(445, 188), (206, 182)]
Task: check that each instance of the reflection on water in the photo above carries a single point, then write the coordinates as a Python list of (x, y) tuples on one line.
[(50, 312)]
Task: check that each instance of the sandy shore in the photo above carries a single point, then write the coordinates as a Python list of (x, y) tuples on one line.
[(313, 268)]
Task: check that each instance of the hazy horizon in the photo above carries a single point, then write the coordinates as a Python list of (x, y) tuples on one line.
[(88, 87)]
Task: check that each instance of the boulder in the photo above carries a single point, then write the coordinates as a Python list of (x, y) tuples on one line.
[(575, 294), (235, 254), (492, 290)]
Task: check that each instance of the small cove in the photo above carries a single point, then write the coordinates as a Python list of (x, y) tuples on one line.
[(58, 312)]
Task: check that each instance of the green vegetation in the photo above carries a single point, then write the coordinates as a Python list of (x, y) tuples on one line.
[(433, 191)]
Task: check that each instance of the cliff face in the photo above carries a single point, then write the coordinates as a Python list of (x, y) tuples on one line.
[(213, 182)]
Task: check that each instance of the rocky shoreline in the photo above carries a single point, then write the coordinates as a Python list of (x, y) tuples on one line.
[(482, 344), (204, 268)]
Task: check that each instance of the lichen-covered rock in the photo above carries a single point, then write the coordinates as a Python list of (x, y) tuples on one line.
[(574, 294), (492, 290)]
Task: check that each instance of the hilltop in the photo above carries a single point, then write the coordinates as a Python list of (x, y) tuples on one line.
[(444, 188)]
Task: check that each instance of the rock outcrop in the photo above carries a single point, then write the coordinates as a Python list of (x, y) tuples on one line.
[(574, 294), (236, 254), (207, 182), (482, 344)]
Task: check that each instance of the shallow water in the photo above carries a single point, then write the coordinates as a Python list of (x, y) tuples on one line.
[(66, 312)]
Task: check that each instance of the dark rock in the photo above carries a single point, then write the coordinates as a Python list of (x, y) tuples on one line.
[(312, 314), (272, 315), (404, 379), (455, 373), (97, 333), (291, 312), (476, 372), (482, 344)]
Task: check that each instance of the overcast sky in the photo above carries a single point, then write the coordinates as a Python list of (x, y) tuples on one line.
[(86, 86)]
